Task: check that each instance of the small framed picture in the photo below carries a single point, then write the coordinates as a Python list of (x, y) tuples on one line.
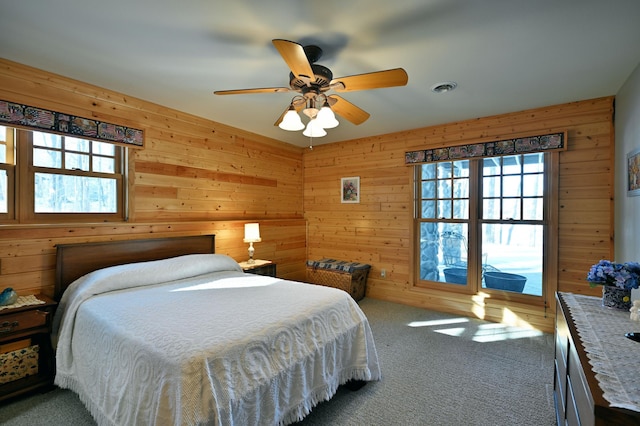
[(633, 173), (350, 189)]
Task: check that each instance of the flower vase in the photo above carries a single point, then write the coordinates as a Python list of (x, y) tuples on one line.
[(616, 298)]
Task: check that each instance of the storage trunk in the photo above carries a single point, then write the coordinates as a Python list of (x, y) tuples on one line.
[(348, 276)]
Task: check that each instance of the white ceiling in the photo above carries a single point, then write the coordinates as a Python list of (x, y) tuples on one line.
[(505, 55)]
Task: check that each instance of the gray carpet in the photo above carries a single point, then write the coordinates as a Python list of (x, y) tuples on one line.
[(442, 370)]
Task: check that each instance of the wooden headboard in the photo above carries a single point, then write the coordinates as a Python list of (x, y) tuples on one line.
[(76, 260)]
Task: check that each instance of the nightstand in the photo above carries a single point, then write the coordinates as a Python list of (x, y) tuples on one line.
[(260, 267), (26, 355)]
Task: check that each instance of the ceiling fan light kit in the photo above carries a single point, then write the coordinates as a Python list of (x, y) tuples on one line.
[(291, 120), (314, 129), (326, 117), (312, 81)]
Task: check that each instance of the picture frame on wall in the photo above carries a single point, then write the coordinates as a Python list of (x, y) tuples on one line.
[(633, 173), (350, 189)]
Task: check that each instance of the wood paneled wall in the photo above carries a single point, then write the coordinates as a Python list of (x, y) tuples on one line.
[(194, 176), (378, 230)]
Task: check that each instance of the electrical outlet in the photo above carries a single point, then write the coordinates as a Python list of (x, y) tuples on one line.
[(383, 273)]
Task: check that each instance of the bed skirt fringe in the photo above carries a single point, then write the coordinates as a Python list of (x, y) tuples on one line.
[(327, 392)]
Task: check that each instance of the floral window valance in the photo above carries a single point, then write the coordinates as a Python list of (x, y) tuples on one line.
[(26, 116), (551, 142)]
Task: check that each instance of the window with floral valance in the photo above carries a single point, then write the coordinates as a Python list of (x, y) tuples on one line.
[(522, 145), (29, 117)]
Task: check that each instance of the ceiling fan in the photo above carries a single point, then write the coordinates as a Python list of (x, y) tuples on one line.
[(312, 81)]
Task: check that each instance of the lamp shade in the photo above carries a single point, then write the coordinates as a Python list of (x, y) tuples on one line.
[(327, 118), (291, 121), (314, 130), (252, 233)]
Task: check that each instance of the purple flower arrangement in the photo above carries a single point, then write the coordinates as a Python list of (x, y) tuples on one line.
[(622, 275)]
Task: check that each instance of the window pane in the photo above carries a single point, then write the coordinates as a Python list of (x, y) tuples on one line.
[(461, 168), (511, 187), (428, 171), (461, 188), (102, 148), (461, 209), (47, 140), (511, 209), (491, 208), (444, 189), (533, 185), (512, 165), (532, 209), (534, 163), (74, 144), (74, 194), (429, 209), (444, 209), (47, 158), (444, 170), (443, 252), (491, 166), (491, 187), (4, 191), (104, 165), (513, 257), (77, 162), (429, 189), (429, 249)]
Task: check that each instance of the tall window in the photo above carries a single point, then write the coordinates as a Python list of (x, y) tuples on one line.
[(62, 178), (482, 224)]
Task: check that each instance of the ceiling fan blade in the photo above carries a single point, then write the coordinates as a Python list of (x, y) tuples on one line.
[(348, 110), (293, 54), (299, 106), (250, 91), (372, 80)]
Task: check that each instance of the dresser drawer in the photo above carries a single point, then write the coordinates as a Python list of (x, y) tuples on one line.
[(21, 321)]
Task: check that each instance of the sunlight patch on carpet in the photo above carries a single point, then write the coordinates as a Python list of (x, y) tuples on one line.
[(437, 322), (497, 332), (483, 333)]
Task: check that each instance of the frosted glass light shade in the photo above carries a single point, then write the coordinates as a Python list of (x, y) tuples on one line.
[(291, 121), (314, 130), (252, 233), (327, 118)]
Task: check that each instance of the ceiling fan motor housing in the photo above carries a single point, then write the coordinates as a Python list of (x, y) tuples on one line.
[(323, 77)]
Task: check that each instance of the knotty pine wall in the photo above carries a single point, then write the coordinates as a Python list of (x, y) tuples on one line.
[(193, 177), (196, 176), (378, 229)]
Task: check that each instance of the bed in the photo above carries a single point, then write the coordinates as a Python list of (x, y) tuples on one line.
[(166, 332)]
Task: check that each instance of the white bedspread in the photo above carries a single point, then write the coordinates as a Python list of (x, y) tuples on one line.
[(212, 346)]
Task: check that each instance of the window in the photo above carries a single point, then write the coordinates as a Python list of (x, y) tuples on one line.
[(61, 178), (483, 224)]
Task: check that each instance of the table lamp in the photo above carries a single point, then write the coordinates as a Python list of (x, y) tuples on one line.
[(251, 235)]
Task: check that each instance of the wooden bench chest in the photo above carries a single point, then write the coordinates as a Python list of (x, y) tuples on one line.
[(348, 276)]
